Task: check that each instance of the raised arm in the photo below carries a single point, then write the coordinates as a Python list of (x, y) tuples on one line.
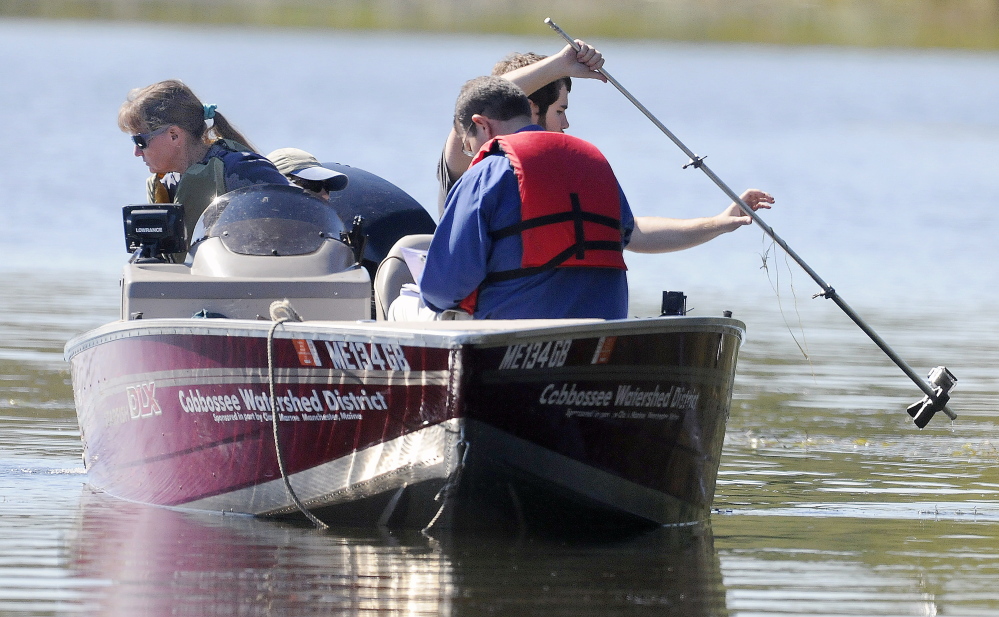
[(656, 234), (567, 63)]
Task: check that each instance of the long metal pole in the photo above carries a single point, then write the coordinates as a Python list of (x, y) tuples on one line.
[(827, 290)]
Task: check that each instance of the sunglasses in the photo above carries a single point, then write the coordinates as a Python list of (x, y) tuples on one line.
[(142, 139)]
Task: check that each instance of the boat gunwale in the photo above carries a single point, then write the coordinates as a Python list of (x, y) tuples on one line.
[(441, 334)]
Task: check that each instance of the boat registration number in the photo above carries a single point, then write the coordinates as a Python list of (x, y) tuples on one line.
[(544, 354)]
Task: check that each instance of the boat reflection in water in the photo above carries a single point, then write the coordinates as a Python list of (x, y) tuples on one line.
[(132, 559)]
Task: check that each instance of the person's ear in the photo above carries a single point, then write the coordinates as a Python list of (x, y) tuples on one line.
[(483, 127), (535, 112)]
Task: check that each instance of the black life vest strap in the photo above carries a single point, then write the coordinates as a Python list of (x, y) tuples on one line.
[(550, 219), (594, 245)]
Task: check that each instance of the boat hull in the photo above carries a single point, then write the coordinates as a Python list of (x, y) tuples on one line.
[(461, 424)]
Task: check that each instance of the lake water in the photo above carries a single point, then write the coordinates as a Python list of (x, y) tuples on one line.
[(829, 501)]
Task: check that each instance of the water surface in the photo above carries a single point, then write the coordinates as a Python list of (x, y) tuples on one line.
[(829, 500)]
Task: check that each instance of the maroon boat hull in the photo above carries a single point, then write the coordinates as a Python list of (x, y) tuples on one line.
[(506, 422)]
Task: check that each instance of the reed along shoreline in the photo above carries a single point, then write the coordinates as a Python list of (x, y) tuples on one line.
[(958, 24)]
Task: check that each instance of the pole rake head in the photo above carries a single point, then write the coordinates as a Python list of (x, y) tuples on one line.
[(942, 381)]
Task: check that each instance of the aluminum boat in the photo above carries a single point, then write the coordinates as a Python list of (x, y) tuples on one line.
[(201, 397)]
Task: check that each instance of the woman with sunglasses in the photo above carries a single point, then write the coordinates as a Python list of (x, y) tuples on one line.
[(192, 161)]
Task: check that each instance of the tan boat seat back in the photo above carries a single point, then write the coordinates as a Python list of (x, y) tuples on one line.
[(393, 272)]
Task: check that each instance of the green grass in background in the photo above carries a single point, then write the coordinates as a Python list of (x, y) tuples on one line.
[(969, 24)]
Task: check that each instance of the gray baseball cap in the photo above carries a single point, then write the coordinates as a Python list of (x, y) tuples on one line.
[(301, 164)]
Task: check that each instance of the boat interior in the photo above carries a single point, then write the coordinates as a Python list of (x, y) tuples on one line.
[(265, 243)]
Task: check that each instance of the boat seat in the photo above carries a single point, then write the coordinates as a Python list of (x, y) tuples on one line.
[(393, 272)]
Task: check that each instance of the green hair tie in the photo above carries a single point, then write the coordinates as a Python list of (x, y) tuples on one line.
[(210, 111)]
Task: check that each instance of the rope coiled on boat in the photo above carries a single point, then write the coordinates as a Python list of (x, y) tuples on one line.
[(281, 311)]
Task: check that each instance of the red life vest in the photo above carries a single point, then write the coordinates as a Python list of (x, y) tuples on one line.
[(570, 212)]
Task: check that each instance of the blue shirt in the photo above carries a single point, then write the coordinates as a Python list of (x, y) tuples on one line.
[(461, 254)]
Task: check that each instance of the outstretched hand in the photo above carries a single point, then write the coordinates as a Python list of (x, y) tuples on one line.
[(584, 63), (734, 217)]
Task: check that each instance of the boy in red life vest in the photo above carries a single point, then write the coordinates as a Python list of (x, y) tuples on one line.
[(537, 226)]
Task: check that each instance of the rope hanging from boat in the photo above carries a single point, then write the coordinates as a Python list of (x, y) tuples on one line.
[(460, 452), (450, 488), (284, 313)]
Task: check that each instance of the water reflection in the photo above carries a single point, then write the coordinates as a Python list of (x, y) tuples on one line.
[(39, 312), (857, 566), (129, 559)]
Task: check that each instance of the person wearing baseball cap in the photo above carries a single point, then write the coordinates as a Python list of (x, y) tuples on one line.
[(304, 170)]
